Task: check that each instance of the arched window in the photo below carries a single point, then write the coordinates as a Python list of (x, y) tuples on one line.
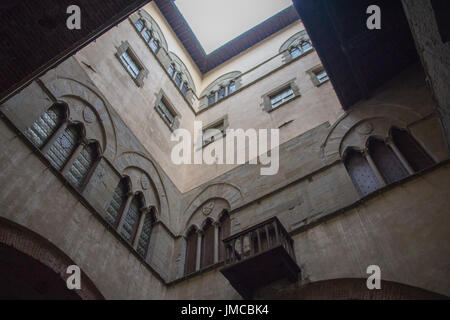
[(211, 98), (191, 252), (221, 93), (389, 166), (154, 45), (116, 206), (147, 34), (61, 150), (44, 127), (82, 165), (224, 232), (207, 253), (131, 219), (413, 152), (178, 79), (144, 237), (306, 46), (139, 24), (171, 69), (184, 88), (231, 87), (361, 173), (295, 52)]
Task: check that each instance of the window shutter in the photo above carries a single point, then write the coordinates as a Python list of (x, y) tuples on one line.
[(413, 152), (207, 257), (131, 219), (191, 253), (386, 161), (116, 204), (82, 165), (44, 127), (144, 238), (63, 147), (361, 173)]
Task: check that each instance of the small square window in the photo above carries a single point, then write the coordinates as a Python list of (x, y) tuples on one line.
[(318, 75), (306, 46), (281, 97), (322, 76)]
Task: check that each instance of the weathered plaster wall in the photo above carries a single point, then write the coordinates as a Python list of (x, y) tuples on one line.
[(434, 54)]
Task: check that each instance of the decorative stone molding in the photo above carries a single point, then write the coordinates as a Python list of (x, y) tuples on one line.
[(208, 208)]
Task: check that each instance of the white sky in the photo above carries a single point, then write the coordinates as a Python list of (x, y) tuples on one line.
[(210, 19)]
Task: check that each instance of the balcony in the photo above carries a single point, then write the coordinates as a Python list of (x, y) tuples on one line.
[(258, 256)]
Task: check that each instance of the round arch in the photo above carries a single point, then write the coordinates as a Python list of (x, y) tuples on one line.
[(36, 266)]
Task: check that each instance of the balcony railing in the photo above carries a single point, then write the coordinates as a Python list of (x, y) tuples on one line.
[(259, 255)]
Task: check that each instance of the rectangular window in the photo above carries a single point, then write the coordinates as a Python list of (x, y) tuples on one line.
[(322, 76), (306, 46), (184, 88), (281, 97), (210, 134), (166, 112), (130, 64)]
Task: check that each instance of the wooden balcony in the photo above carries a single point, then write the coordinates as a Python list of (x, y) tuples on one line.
[(258, 256)]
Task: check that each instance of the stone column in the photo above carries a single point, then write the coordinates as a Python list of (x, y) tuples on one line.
[(216, 241), (199, 249), (399, 155), (366, 154)]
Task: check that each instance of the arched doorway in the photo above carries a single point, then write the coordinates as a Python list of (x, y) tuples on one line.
[(33, 268)]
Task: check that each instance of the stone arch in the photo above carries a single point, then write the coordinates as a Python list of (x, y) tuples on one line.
[(38, 249), (294, 40), (228, 195), (354, 127), (181, 67), (223, 80), (141, 182), (67, 89), (151, 24), (133, 159), (351, 289)]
